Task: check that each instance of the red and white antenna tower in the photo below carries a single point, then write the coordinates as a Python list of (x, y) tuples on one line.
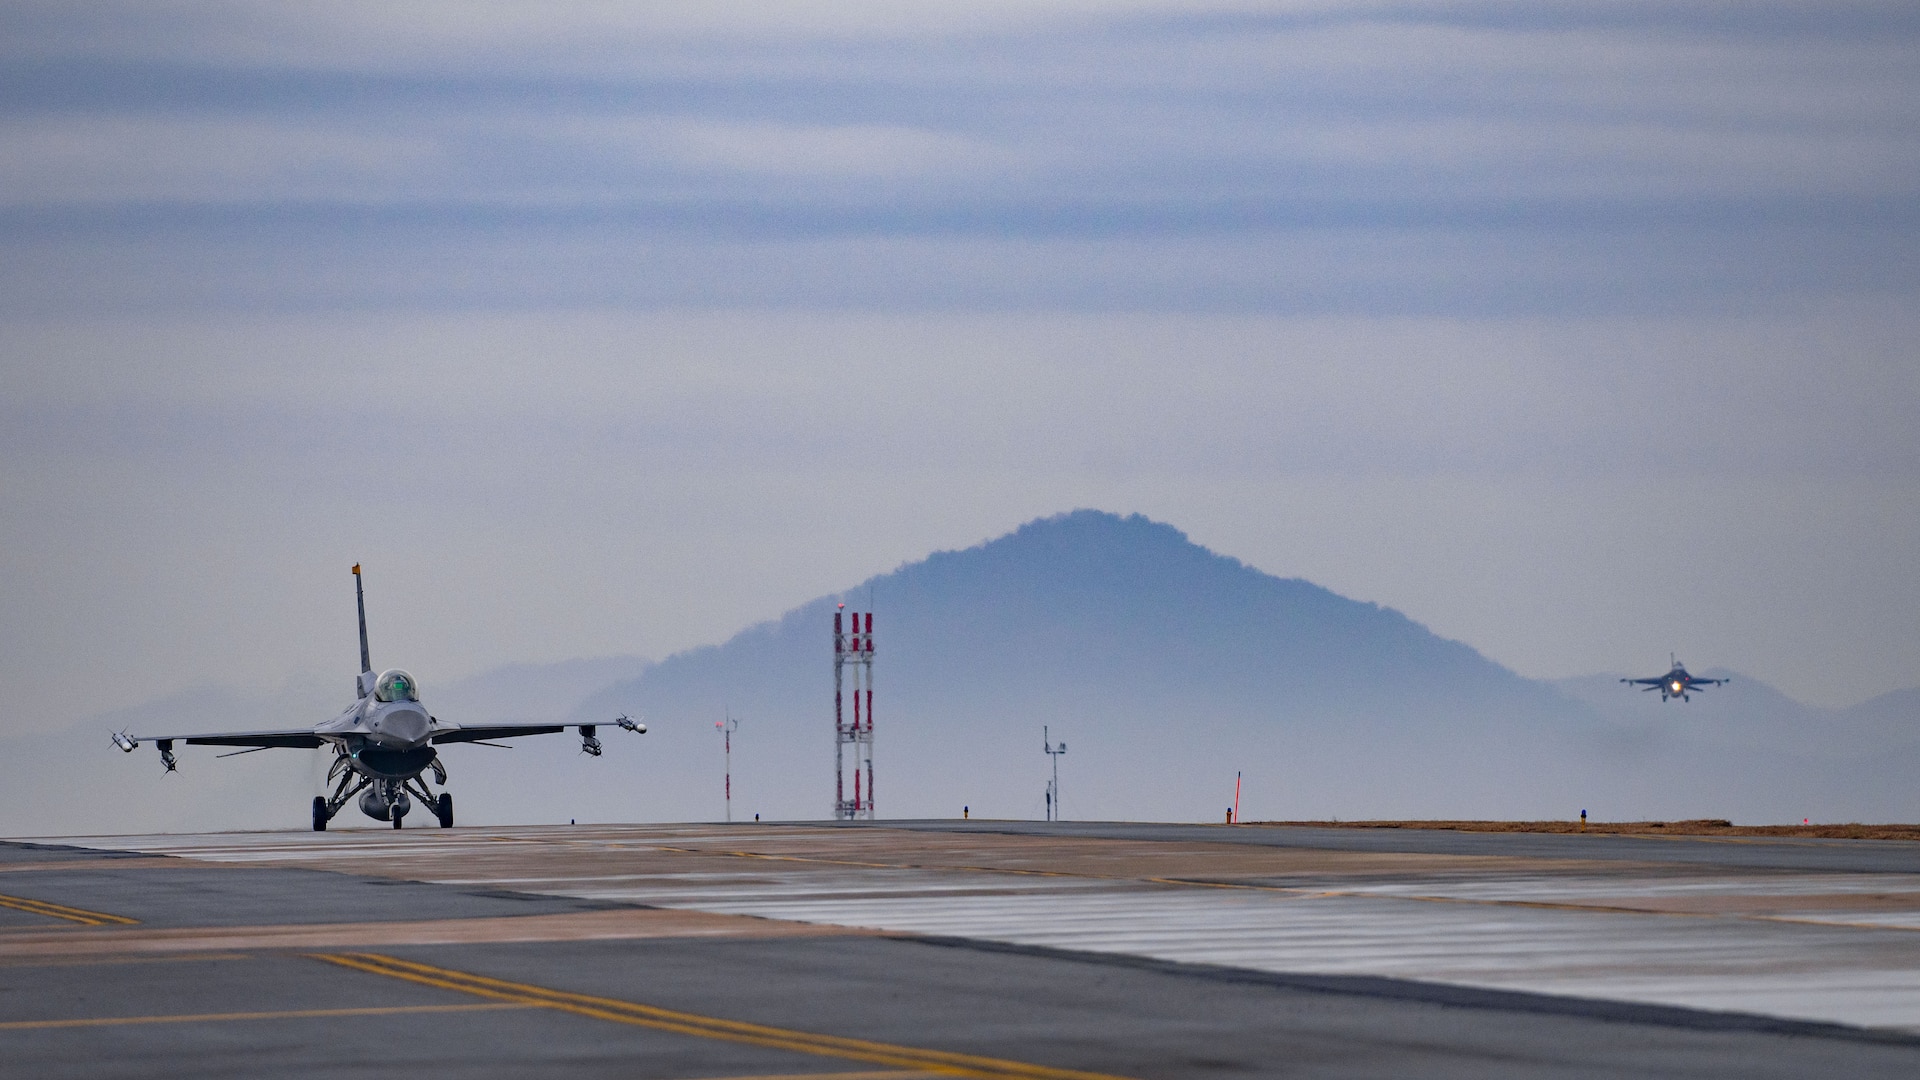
[(853, 648)]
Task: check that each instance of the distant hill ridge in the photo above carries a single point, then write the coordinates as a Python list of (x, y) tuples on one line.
[(1167, 663), (1166, 667), (1092, 595)]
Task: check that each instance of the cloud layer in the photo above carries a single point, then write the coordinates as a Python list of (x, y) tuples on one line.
[(1579, 333), (1298, 157)]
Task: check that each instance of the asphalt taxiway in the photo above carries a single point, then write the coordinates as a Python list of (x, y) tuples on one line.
[(979, 949)]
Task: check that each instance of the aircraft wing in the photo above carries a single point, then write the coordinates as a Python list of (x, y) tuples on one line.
[(476, 732), (297, 738), (1655, 681), (459, 733)]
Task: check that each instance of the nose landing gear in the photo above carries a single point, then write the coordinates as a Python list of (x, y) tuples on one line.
[(383, 797)]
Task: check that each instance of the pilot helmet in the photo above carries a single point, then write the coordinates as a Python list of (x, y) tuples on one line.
[(396, 685)]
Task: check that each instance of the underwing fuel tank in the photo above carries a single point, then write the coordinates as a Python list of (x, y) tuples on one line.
[(375, 807)]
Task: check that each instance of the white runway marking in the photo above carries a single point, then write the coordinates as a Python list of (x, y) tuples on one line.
[(1826, 973), (1538, 932)]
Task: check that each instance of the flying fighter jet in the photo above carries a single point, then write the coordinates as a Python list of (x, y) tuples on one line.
[(383, 744), (1676, 683)]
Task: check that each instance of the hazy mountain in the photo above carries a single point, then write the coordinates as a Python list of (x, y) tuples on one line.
[(1165, 667), (531, 692), (1890, 721)]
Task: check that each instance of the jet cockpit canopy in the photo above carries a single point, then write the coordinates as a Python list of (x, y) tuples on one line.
[(396, 685)]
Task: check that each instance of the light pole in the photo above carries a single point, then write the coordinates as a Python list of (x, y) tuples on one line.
[(727, 728), (1053, 786)]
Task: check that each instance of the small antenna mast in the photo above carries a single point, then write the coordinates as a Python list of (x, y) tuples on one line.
[(727, 727), (1053, 786)]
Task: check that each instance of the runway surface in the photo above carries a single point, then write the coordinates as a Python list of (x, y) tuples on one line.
[(948, 948)]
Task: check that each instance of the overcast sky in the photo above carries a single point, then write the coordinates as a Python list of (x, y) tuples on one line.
[(1580, 332)]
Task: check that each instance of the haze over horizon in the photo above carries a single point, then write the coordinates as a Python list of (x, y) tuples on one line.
[(1577, 335), (1168, 667)]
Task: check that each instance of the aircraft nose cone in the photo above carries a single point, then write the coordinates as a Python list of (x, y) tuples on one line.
[(400, 725)]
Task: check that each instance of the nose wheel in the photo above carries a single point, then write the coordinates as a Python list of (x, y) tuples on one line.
[(383, 799)]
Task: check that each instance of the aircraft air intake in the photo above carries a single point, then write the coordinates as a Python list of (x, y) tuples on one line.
[(399, 725)]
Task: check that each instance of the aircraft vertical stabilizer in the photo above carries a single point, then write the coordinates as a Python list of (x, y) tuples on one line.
[(360, 599)]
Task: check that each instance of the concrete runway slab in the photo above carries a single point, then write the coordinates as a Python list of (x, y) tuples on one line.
[(621, 924), (1140, 951), (180, 894), (1678, 927)]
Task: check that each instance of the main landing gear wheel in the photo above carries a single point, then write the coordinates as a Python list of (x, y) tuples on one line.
[(444, 811), (319, 814), (396, 819)]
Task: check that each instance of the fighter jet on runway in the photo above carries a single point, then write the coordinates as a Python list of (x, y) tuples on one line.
[(383, 744), (1676, 683)]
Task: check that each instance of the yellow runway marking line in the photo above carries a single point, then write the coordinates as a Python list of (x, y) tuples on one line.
[(875, 1074), (213, 1018), (610, 925), (154, 862), (62, 911), (944, 1062), (99, 961)]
